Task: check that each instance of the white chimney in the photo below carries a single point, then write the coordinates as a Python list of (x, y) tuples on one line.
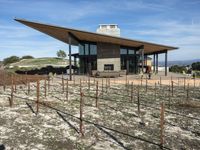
[(109, 29)]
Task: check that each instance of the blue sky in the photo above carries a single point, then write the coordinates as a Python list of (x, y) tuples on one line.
[(170, 22)]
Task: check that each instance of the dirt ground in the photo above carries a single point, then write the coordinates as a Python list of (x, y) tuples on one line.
[(116, 123)]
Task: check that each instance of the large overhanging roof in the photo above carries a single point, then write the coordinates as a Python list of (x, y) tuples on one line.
[(62, 34)]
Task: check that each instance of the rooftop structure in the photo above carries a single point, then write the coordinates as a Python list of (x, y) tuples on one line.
[(109, 29), (103, 52)]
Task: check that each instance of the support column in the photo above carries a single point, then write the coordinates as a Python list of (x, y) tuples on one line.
[(141, 51), (127, 65), (89, 62), (166, 63), (156, 63), (136, 62), (75, 63), (70, 59), (146, 63)]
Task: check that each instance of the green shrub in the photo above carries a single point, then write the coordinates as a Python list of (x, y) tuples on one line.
[(27, 57), (11, 59), (196, 66), (177, 69)]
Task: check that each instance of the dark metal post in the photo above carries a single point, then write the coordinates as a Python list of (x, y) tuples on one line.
[(143, 59), (156, 63), (75, 62), (166, 63), (70, 59)]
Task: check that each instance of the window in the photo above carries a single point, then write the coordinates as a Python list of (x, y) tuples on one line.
[(108, 67), (81, 49), (103, 26), (86, 49), (112, 26), (93, 49), (123, 51), (130, 51), (137, 52)]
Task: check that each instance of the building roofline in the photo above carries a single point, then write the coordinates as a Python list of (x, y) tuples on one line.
[(94, 33)]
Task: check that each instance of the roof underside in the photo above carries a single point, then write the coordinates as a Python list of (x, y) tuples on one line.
[(62, 33)]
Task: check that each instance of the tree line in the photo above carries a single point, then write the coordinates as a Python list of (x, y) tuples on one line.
[(187, 69)]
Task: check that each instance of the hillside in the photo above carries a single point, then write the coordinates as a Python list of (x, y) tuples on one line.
[(40, 62)]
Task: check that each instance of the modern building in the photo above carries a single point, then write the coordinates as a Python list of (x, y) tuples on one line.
[(105, 50)]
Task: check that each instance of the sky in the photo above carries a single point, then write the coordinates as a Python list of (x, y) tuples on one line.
[(169, 22)]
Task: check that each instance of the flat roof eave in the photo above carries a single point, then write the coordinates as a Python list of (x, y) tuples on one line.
[(61, 33)]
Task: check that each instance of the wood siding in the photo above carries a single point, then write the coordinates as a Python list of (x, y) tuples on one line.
[(108, 50)]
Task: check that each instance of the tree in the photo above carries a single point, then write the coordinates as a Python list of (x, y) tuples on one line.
[(196, 66), (27, 57), (11, 59), (61, 54), (178, 69)]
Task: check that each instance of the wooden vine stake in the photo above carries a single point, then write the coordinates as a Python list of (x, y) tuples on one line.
[(88, 83), (67, 90), (160, 81), (12, 90), (63, 85), (45, 88), (81, 110), (126, 80), (132, 92), (172, 88), (48, 83), (138, 101), (28, 90), (187, 92), (146, 83), (169, 95), (15, 83), (109, 81), (184, 82), (97, 94), (178, 81), (74, 80), (106, 84), (102, 87), (155, 90), (38, 96), (162, 109), (4, 82)]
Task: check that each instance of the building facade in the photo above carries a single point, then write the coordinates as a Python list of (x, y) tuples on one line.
[(108, 57)]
